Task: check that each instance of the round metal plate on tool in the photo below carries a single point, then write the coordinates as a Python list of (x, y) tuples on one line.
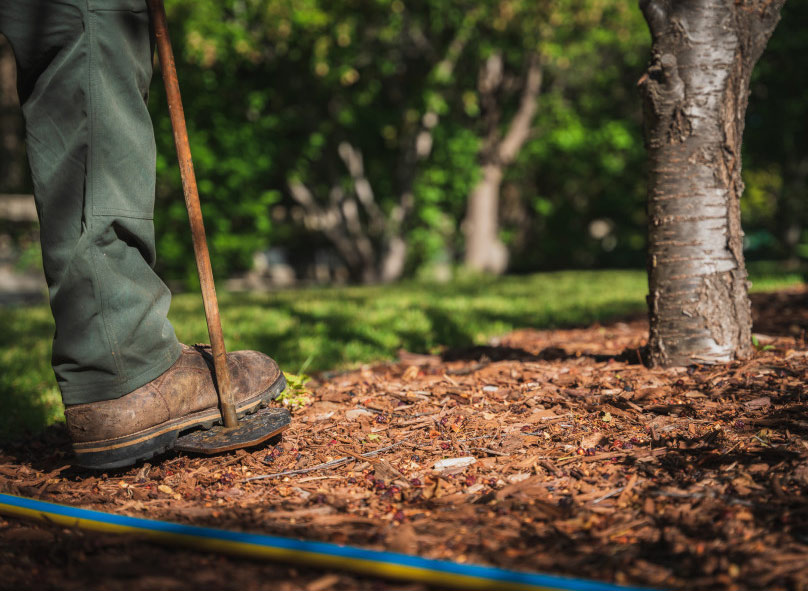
[(252, 430)]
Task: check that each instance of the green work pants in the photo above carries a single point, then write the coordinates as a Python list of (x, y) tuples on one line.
[(83, 69)]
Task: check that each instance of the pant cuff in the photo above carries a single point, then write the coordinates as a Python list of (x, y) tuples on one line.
[(78, 394)]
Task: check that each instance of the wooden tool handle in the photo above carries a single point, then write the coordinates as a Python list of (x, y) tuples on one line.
[(158, 19)]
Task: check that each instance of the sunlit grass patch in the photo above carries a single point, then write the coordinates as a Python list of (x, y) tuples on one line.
[(318, 329)]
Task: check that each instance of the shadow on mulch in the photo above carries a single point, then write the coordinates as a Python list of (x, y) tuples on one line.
[(782, 313), (50, 453), (53, 557), (482, 353)]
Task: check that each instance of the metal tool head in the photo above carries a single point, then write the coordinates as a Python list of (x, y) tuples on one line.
[(252, 430)]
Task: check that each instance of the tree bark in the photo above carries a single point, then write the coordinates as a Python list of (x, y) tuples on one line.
[(695, 92)]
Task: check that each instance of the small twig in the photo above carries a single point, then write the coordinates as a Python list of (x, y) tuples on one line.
[(370, 454), (544, 463), (632, 481), (420, 418), (331, 464), (490, 451), (351, 453), (610, 454), (611, 493), (702, 495), (765, 443), (310, 478), (378, 464)]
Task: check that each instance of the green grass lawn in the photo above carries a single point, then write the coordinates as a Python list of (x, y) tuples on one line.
[(330, 328)]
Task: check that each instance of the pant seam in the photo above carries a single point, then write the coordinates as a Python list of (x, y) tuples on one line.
[(114, 347)]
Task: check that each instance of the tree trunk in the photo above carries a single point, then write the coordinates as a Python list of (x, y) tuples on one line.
[(394, 259), (484, 250), (695, 91)]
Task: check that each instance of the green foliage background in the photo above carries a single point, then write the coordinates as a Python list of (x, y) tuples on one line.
[(273, 87), (775, 205)]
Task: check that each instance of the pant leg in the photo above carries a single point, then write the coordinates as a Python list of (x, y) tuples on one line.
[(84, 68)]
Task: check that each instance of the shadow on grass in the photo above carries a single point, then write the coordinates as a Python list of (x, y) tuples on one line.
[(345, 335)]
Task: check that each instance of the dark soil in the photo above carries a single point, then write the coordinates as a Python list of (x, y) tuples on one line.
[(585, 463)]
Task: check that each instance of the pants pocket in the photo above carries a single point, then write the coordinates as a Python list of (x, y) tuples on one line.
[(122, 150)]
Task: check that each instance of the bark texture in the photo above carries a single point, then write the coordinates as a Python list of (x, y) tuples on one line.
[(695, 92)]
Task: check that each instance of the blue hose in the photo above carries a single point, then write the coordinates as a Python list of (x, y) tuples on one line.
[(320, 554)]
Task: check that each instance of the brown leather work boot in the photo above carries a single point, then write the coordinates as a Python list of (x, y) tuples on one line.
[(146, 422)]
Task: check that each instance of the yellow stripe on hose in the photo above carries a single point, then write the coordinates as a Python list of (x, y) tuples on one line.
[(368, 567)]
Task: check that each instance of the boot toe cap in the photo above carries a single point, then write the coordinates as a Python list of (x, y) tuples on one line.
[(254, 374)]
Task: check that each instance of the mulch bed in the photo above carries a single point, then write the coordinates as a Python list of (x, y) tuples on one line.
[(578, 460)]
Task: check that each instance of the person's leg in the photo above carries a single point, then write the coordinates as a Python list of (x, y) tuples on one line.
[(84, 68), (129, 387)]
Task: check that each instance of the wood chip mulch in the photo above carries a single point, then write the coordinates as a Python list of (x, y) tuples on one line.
[(553, 451)]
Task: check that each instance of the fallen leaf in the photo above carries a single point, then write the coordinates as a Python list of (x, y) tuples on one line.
[(454, 465), (357, 413), (757, 403)]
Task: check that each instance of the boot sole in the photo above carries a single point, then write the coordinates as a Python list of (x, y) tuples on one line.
[(125, 451)]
